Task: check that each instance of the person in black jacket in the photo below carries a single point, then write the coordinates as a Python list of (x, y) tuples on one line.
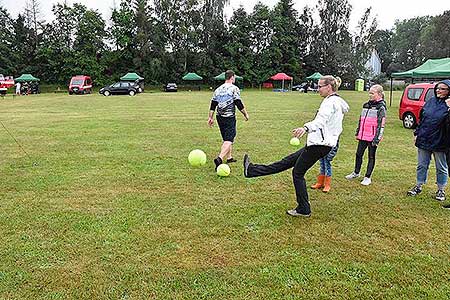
[(431, 138)]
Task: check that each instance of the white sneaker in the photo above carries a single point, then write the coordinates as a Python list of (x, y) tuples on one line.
[(366, 181), (352, 175)]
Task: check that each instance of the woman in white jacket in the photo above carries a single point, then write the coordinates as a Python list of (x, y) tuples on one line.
[(323, 134)]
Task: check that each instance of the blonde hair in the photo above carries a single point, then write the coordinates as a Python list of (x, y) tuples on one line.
[(331, 80), (379, 89), (338, 81)]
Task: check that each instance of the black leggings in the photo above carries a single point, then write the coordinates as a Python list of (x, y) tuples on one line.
[(362, 145), (302, 161)]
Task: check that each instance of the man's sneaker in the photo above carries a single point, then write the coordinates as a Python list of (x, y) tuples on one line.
[(217, 162), (414, 191), (440, 195), (231, 160), (446, 206), (295, 213), (366, 181), (352, 175), (246, 163)]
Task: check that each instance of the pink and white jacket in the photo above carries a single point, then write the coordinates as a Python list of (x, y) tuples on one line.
[(371, 123)]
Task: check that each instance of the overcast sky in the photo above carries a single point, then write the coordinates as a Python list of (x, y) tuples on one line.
[(387, 11)]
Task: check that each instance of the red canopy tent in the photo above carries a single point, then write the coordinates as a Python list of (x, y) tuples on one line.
[(282, 77)]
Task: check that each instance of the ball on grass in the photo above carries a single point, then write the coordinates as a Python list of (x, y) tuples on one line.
[(197, 158), (223, 170), (294, 141)]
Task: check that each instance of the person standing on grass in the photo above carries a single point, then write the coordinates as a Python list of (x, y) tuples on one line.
[(432, 138), (326, 170), (369, 132), (323, 134), (226, 97), (18, 86)]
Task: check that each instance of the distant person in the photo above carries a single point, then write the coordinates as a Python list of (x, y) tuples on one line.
[(226, 97), (306, 87), (369, 132), (18, 87), (323, 134), (432, 138), (326, 170)]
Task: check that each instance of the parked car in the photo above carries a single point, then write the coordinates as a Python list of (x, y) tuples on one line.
[(412, 101), (5, 83), (170, 87), (305, 85), (80, 84), (121, 88)]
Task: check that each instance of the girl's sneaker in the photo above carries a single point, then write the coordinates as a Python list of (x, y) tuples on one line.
[(366, 181), (352, 175)]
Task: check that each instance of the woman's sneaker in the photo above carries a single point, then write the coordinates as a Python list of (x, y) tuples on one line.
[(440, 195), (414, 191), (446, 206), (352, 175)]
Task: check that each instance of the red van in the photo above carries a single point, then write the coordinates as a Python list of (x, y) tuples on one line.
[(5, 83), (413, 99), (80, 84)]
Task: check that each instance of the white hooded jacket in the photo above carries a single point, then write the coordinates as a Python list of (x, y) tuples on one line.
[(327, 125)]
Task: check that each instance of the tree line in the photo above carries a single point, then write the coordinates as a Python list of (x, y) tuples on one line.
[(164, 39)]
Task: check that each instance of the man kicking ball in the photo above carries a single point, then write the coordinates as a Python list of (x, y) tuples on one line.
[(225, 98), (323, 133)]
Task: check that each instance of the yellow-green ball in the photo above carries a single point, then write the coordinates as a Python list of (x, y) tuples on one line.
[(223, 170), (197, 158), (294, 141)]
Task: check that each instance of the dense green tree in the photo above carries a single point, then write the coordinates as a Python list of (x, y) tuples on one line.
[(434, 38), (333, 44), (261, 37), (239, 54), (73, 44), (7, 57), (406, 40), (363, 44), (382, 40)]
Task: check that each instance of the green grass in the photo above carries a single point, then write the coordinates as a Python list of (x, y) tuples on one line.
[(113, 210)]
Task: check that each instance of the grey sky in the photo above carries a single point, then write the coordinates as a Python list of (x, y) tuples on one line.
[(387, 11)]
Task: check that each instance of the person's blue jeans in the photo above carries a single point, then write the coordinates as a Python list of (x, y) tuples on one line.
[(325, 166), (423, 163)]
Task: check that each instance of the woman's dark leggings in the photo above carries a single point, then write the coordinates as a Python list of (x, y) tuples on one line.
[(362, 145), (302, 161)]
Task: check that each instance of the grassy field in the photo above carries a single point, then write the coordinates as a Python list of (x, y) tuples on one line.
[(112, 210)]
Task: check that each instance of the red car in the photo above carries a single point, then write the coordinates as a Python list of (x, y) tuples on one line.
[(80, 84), (413, 99), (5, 83)]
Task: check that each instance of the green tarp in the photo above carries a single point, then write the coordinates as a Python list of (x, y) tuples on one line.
[(131, 77), (221, 76), (26, 78), (315, 76), (192, 77), (432, 68)]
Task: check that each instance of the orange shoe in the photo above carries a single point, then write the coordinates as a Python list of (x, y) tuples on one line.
[(327, 184), (319, 183)]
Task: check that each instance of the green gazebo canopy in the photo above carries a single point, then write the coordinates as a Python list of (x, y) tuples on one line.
[(315, 76), (192, 77), (221, 76), (432, 68), (131, 77), (26, 78)]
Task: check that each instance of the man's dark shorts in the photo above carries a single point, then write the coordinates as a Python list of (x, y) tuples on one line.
[(227, 128)]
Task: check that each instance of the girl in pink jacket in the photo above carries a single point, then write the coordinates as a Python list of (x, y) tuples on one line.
[(369, 132)]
